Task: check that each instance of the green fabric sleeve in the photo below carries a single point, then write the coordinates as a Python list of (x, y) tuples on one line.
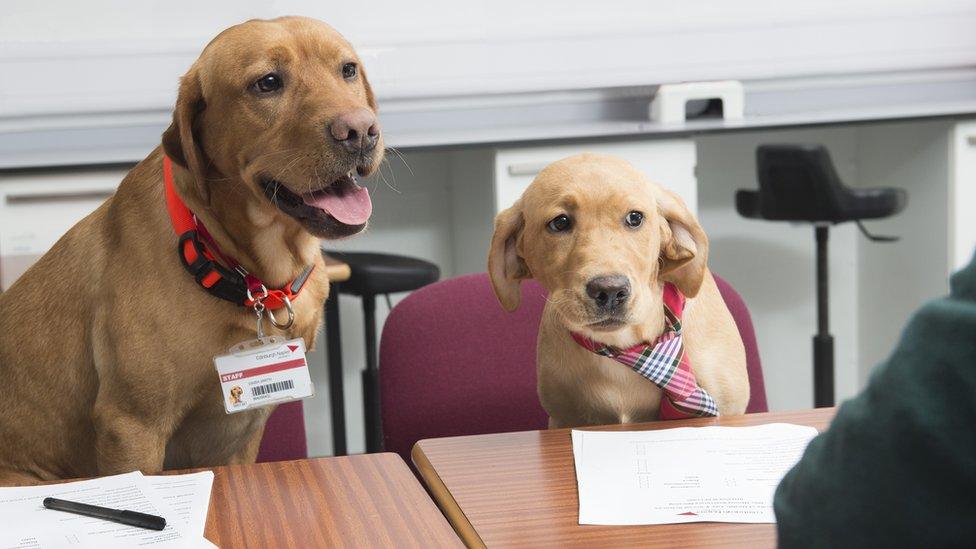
[(897, 467)]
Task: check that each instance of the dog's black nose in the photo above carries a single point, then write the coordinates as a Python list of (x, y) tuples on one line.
[(357, 130), (608, 292)]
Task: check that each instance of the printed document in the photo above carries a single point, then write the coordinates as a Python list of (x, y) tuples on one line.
[(25, 522), (688, 474)]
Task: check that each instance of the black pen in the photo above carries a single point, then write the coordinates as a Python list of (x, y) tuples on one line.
[(130, 518)]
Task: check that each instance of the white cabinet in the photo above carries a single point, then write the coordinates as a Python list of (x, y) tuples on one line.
[(962, 195), (669, 162), (486, 181), (36, 209)]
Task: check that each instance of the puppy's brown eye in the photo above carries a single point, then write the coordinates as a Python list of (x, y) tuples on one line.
[(634, 219), (349, 70), (560, 223), (268, 83)]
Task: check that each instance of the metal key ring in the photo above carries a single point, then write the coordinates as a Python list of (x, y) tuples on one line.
[(250, 297), (291, 315)]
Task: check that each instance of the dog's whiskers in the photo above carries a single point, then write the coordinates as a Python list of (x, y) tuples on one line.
[(315, 170), (290, 162), (402, 158), (392, 174)]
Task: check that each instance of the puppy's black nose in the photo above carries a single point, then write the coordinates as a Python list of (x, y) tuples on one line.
[(608, 292), (357, 130)]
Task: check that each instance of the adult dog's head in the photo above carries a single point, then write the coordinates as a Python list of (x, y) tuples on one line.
[(603, 240), (283, 108)]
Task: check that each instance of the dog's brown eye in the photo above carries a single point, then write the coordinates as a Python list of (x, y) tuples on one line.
[(559, 223), (349, 70), (634, 219), (268, 83)]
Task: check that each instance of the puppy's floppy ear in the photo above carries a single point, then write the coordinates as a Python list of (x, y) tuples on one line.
[(370, 98), (505, 267), (684, 246), (179, 140)]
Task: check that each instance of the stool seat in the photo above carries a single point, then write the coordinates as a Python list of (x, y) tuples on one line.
[(377, 274), (798, 183)]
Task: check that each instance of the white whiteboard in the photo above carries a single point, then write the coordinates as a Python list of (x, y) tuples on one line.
[(68, 57)]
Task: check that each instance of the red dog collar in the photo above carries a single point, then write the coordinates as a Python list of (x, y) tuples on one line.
[(232, 284)]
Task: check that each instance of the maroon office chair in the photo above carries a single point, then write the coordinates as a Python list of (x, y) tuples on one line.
[(284, 434), (743, 321), (452, 362)]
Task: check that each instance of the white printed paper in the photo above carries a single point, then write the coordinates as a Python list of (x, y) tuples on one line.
[(21, 508), (689, 474), (25, 522), (188, 496), (15, 540)]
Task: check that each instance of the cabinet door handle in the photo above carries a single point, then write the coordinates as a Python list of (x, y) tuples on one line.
[(971, 140), (526, 168), (54, 196)]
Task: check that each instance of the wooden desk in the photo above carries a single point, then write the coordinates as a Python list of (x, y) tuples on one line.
[(356, 501), (519, 489)]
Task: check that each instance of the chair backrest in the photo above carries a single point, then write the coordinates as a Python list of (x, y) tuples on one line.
[(797, 183), (452, 362), (284, 434), (743, 321)]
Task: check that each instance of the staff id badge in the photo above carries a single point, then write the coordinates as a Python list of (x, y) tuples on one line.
[(265, 371)]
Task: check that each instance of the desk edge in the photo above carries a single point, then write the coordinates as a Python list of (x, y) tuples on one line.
[(444, 499)]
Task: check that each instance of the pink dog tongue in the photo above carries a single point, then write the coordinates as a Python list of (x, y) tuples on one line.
[(351, 206)]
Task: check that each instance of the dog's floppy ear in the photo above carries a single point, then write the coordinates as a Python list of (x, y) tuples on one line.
[(505, 267), (370, 97), (179, 140), (684, 246)]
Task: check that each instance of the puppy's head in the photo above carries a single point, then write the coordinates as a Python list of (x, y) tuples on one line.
[(603, 240), (282, 107)]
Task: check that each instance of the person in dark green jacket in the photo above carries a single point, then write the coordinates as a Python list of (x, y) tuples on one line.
[(897, 467)]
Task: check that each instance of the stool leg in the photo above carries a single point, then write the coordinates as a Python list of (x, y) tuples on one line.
[(823, 342), (333, 346), (371, 380)]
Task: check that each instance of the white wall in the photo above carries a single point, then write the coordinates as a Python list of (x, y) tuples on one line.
[(874, 287), (897, 278), (772, 264)]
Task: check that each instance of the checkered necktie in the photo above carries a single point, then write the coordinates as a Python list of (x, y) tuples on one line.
[(664, 363)]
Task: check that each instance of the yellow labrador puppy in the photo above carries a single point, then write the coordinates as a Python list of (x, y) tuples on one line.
[(604, 241), (271, 125)]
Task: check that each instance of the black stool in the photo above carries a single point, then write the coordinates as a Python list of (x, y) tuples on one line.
[(372, 274), (798, 183)]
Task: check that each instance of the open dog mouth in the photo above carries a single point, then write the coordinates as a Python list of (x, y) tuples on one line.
[(341, 208)]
